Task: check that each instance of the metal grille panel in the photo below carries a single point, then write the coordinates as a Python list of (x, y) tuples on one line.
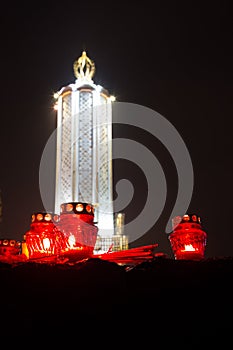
[(104, 170), (66, 141), (85, 146)]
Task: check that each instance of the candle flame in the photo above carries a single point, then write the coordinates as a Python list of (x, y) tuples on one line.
[(189, 248), (72, 241), (46, 243)]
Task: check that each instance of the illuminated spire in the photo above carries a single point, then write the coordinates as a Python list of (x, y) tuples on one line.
[(84, 67)]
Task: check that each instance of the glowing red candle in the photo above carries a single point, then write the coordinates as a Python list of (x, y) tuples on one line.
[(44, 238), (9, 247), (78, 228), (188, 240)]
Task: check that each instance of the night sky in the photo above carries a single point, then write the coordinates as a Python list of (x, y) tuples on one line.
[(174, 58)]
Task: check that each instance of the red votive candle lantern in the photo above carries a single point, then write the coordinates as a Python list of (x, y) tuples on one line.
[(78, 228), (43, 240), (188, 239), (9, 247)]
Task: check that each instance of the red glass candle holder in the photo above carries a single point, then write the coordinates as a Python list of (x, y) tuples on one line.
[(188, 239), (9, 247), (44, 239), (78, 228)]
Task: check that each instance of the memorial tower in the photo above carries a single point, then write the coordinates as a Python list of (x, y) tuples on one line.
[(84, 146)]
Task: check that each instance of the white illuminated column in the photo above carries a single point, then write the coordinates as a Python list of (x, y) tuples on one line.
[(84, 146)]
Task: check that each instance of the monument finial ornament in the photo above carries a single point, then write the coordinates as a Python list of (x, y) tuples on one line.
[(84, 67)]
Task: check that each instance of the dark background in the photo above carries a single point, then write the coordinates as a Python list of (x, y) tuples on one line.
[(175, 58)]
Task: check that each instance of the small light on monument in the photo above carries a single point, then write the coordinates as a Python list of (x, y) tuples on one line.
[(112, 98), (188, 239)]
